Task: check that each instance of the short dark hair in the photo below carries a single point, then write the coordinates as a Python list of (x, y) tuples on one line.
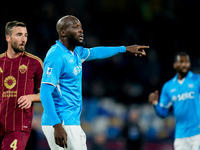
[(11, 24), (180, 54)]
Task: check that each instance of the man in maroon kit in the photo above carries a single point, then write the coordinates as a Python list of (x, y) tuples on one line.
[(20, 75)]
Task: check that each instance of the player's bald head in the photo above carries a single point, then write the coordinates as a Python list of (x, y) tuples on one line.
[(64, 22)]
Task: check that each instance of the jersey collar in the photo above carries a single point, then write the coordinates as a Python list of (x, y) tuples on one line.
[(61, 46), (189, 75)]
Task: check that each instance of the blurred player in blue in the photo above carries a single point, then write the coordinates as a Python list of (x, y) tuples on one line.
[(61, 89), (182, 93)]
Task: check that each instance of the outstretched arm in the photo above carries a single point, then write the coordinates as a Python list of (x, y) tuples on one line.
[(105, 52)]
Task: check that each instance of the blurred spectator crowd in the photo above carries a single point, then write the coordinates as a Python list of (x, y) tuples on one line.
[(115, 90)]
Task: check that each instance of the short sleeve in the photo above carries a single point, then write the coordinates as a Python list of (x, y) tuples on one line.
[(52, 69), (164, 98)]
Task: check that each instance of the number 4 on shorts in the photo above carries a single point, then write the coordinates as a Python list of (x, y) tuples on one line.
[(13, 145)]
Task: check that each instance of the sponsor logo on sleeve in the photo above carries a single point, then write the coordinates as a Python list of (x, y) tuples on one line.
[(49, 70)]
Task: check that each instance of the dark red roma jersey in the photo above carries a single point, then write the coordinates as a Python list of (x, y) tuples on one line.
[(19, 76)]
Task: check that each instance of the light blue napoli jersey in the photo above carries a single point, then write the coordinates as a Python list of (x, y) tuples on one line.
[(63, 69), (186, 104)]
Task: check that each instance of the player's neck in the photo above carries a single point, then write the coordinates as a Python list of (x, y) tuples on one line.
[(67, 45), (71, 48), (12, 54), (181, 76)]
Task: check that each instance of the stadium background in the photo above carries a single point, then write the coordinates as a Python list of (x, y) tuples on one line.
[(115, 90)]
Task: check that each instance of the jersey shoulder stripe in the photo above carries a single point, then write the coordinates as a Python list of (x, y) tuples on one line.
[(3, 55), (34, 57)]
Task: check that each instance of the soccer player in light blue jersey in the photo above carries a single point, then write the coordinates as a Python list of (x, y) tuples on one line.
[(182, 93), (61, 88)]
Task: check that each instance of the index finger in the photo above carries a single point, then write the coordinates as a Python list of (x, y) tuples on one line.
[(140, 46)]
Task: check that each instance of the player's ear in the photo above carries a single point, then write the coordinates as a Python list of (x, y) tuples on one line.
[(63, 33), (7, 38)]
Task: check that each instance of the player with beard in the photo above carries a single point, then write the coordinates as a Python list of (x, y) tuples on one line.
[(182, 93), (61, 88), (20, 75)]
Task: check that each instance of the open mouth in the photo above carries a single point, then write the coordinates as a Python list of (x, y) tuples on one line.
[(81, 37)]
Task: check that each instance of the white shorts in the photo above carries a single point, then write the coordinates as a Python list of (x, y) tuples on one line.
[(76, 138), (188, 143)]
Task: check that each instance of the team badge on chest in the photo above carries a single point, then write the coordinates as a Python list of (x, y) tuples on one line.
[(22, 68)]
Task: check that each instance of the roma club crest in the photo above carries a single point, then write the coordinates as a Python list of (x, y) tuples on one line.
[(22, 68)]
